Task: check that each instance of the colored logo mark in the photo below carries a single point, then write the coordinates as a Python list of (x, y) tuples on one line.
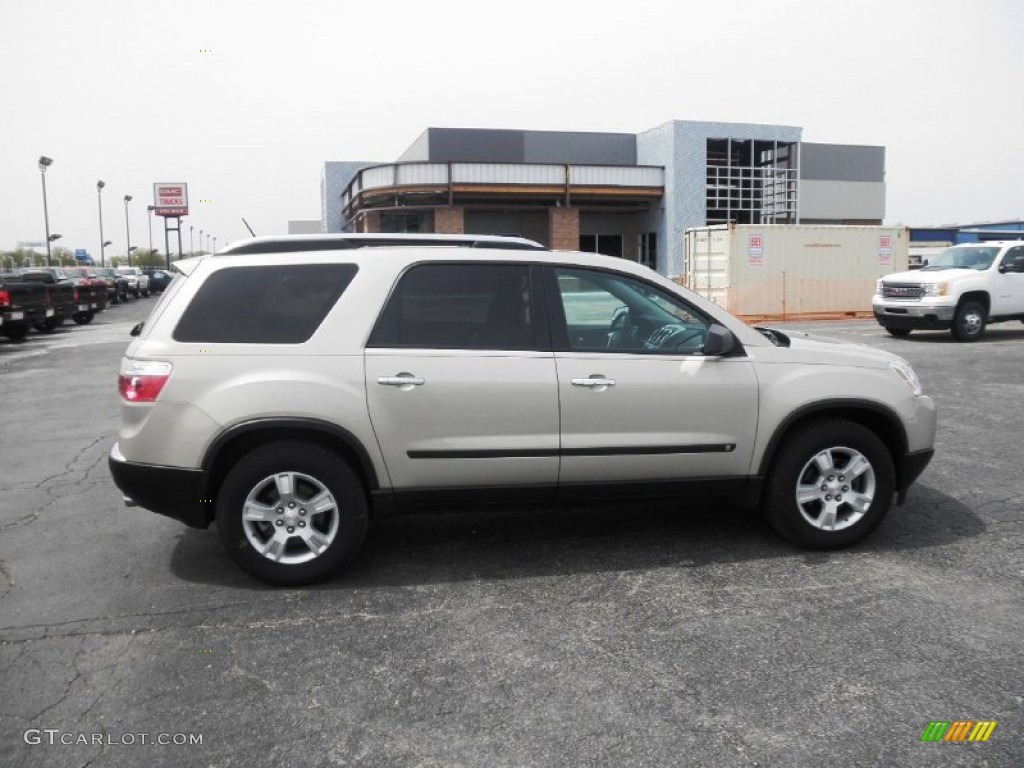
[(958, 730)]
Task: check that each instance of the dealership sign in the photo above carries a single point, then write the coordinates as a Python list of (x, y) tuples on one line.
[(170, 199)]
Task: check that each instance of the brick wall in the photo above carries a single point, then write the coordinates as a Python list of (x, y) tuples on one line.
[(450, 220), (565, 229)]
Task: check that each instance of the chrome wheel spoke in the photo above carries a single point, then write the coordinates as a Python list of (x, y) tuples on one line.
[(274, 548), (824, 462), (258, 513), (827, 521), (322, 502), (856, 467), (807, 493), (859, 502), (285, 483), (315, 540)]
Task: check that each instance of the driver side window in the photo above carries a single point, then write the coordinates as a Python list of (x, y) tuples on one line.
[(610, 312)]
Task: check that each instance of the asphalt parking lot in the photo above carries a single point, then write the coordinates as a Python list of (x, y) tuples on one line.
[(619, 636)]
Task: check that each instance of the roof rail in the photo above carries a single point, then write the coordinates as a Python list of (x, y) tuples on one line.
[(374, 240)]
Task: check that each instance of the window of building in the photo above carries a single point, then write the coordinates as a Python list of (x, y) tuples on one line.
[(264, 305), (459, 306), (411, 223), (647, 250), (609, 245)]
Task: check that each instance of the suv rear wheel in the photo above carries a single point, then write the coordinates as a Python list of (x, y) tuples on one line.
[(292, 513), (831, 486)]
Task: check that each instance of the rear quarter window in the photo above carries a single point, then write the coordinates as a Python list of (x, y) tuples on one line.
[(282, 304)]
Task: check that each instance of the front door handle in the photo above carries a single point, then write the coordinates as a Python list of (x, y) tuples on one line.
[(594, 381), (405, 380)]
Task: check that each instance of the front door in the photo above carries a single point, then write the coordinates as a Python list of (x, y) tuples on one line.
[(639, 402)]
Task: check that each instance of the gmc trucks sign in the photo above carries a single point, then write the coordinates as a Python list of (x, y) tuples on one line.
[(170, 199)]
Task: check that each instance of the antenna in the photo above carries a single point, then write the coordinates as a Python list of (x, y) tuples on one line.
[(248, 227)]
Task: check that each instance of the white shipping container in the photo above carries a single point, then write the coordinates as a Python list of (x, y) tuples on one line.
[(792, 270)]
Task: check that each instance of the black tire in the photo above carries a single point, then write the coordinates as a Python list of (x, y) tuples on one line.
[(83, 318), (806, 523), (15, 332), (899, 333), (341, 525), (969, 321), (49, 325)]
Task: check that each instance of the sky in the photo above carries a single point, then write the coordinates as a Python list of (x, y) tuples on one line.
[(244, 100)]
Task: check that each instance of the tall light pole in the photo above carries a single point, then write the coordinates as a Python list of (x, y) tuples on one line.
[(127, 230), (44, 163), (191, 245), (215, 244), (103, 243), (208, 243), (200, 239), (150, 209)]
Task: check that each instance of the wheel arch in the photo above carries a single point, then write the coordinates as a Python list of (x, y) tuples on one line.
[(878, 418), (981, 297), (247, 436)]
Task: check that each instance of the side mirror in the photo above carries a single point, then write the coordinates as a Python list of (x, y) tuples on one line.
[(137, 329), (719, 341)]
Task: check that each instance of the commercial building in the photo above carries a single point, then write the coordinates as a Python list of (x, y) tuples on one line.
[(622, 194)]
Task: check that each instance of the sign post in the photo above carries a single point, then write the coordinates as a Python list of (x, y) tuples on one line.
[(171, 201)]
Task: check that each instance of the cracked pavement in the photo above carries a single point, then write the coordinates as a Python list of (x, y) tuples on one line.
[(630, 635)]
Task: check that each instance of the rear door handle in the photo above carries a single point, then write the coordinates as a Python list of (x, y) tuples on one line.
[(401, 380), (594, 381)]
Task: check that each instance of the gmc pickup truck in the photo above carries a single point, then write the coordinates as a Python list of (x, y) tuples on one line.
[(22, 305), (963, 289)]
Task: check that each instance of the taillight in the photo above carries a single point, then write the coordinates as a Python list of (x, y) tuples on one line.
[(140, 381), (5, 298)]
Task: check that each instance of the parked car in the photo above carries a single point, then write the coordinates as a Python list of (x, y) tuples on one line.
[(61, 292), (22, 304), (92, 294), (292, 387), (159, 279), (962, 289), (138, 281), (117, 284)]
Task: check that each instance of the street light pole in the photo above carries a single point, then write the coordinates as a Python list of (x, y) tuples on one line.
[(200, 239), (44, 163), (103, 243), (150, 209), (191, 245), (127, 230)]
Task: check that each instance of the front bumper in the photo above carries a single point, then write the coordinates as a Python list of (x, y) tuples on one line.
[(906, 315), (175, 492)]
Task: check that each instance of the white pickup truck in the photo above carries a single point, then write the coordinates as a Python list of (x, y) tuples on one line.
[(962, 289), (138, 281)]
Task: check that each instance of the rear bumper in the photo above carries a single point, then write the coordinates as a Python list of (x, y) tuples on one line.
[(175, 492)]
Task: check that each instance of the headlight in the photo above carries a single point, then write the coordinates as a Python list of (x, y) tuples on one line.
[(906, 373), (936, 289)]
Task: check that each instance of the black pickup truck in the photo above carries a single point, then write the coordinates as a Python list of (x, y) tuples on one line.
[(75, 296), (22, 304)]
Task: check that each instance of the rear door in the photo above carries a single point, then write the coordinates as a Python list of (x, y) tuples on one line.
[(460, 380)]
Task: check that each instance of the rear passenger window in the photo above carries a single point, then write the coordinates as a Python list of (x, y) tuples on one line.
[(264, 305), (459, 306)]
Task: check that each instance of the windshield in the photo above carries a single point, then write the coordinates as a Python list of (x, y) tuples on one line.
[(963, 258)]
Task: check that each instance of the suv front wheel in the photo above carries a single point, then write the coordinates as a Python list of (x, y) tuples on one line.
[(291, 513), (831, 486)]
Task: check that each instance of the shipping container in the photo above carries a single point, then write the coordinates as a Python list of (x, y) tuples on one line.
[(760, 271)]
